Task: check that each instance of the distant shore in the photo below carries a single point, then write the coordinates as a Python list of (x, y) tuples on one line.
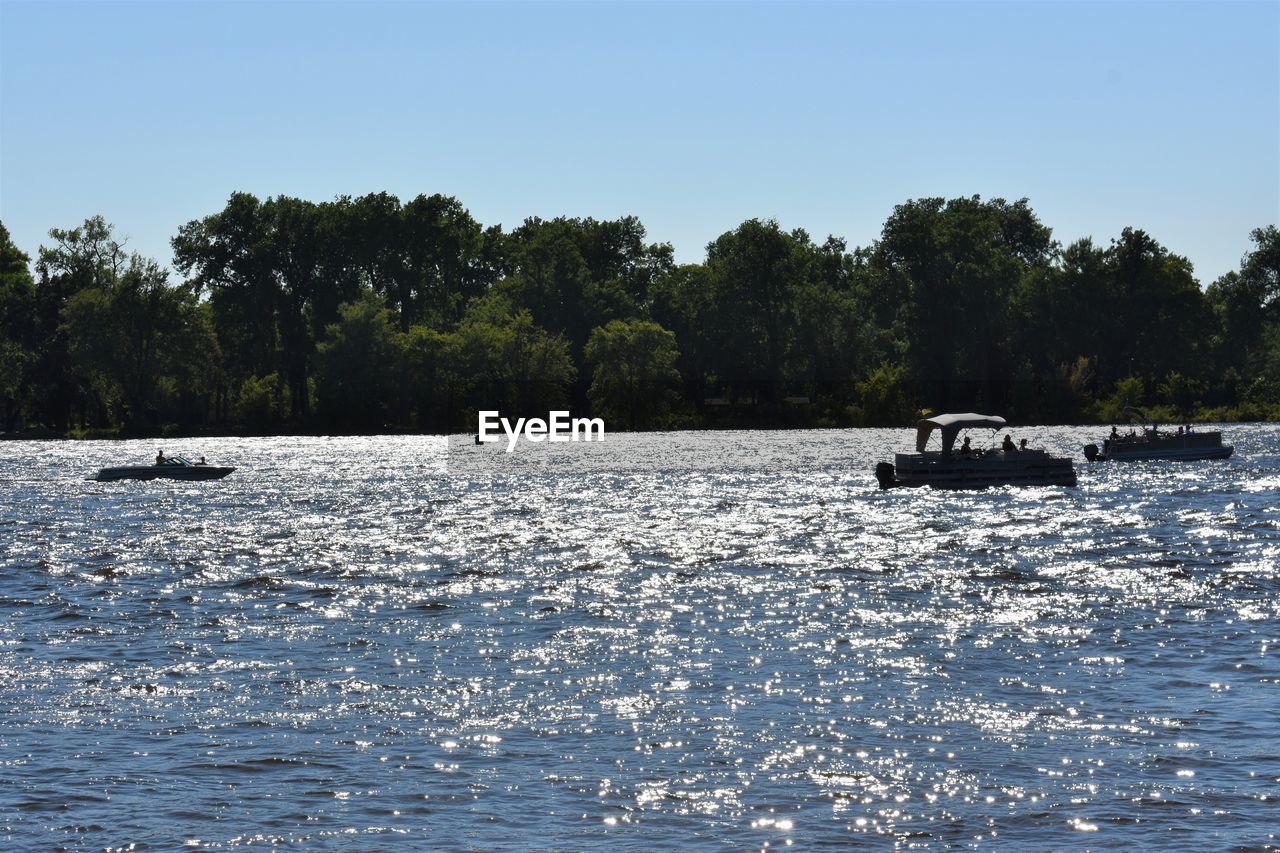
[(163, 434)]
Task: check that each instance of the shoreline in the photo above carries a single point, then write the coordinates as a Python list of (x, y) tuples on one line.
[(53, 435)]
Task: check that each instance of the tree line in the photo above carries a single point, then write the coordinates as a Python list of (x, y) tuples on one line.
[(372, 314)]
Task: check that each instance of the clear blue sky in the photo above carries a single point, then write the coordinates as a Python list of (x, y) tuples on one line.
[(692, 116)]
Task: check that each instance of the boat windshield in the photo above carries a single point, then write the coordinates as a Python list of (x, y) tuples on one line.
[(179, 460)]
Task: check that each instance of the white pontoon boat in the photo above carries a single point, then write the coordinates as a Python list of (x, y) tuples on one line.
[(1148, 441), (949, 468)]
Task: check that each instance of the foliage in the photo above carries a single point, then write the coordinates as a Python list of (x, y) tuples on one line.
[(17, 328), (369, 313), (126, 336), (753, 273), (633, 373), (356, 376), (1128, 393), (955, 269), (1182, 392), (491, 361), (883, 398), (263, 402)]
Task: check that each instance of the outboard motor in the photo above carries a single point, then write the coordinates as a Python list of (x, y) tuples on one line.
[(884, 473), (1091, 452)]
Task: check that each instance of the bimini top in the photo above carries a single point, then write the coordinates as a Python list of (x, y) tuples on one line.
[(951, 425)]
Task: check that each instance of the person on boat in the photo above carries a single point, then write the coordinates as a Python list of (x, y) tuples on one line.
[(202, 462), (1179, 430), (160, 458), (1115, 433), (965, 449), (1007, 445), (1022, 445)]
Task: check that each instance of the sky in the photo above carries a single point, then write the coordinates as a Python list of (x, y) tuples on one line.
[(694, 117)]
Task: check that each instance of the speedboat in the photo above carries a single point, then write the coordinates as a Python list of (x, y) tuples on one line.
[(1149, 442), (948, 468), (172, 468)]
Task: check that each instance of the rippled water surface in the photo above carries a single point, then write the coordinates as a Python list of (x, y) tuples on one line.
[(701, 640)]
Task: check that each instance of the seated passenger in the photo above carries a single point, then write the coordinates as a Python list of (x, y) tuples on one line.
[(160, 458), (1022, 445), (1007, 445), (965, 449)]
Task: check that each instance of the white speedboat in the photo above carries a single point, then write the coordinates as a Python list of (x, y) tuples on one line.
[(1149, 442), (949, 468), (172, 468)]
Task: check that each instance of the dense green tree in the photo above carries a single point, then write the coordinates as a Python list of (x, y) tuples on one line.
[(753, 274), (1182, 392), (307, 286), (497, 358), (356, 376), (414, 315), (1063, 313), (87, 257), (128, 339), (956, 267), (1239, 305), (681, 301), (228, 256), (262, 402), (833, 339), (550, 278), (573, 275), (446, 261), (277, 272), (429, 386), (1129, 392), (1159, 312), (1261, 267), (1247, 305), (374, 232), (634, 378), (18, 342), (884, 398)]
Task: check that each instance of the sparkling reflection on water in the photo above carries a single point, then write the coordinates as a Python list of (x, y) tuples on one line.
[(716, 639)]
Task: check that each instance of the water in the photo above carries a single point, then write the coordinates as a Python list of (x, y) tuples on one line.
[(716, 640)]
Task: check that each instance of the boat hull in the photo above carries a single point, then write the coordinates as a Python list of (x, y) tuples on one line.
[(1009, 469), (1184, 448), (163, 472), (1184, 455)]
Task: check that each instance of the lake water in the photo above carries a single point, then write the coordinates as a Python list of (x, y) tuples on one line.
[(701, 640)]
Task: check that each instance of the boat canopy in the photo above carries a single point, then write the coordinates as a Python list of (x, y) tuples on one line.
[(951, 425)]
